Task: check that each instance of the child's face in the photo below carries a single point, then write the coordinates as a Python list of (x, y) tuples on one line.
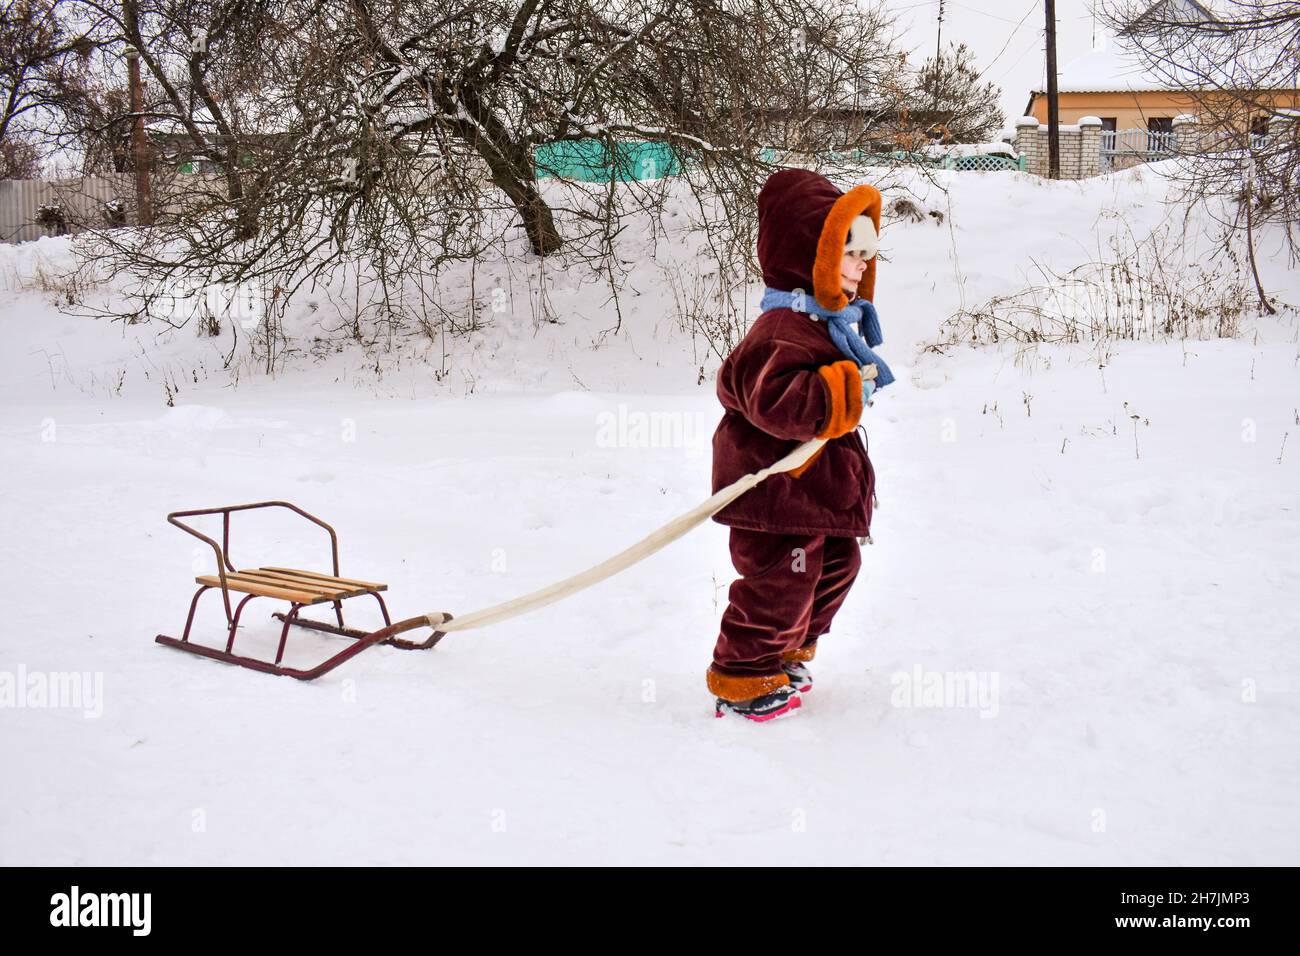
[(851, 268)]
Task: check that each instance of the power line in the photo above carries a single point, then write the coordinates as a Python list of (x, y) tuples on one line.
[(1031, 46), (991, 16), (1032, 7)]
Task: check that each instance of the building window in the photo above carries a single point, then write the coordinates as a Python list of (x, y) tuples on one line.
[(1108, 134), (1259, 131), (1160, 134)]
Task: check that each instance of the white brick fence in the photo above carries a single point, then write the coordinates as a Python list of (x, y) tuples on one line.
[(1080, 147), (1088, 150)]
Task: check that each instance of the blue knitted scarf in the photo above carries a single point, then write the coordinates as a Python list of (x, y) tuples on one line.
[(854, 343)]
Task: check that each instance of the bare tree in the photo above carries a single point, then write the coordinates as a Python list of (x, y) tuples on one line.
[(389, 138), (1238, 69), (19, 158), (949, 96), (44, 54)]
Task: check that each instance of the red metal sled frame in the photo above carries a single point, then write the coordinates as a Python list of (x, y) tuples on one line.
[(332, 590)]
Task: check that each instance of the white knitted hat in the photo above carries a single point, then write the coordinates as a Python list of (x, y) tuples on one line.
[(862, 237)]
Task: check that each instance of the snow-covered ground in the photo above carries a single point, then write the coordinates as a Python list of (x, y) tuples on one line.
[(1118, 592)]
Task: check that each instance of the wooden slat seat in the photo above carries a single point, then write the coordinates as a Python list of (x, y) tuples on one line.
[(290, 584)]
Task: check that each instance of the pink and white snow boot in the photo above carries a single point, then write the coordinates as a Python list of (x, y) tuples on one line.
[(800, 676), (779, 703)]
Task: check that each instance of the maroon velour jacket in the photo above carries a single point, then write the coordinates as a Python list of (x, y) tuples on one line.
[(786, 382)]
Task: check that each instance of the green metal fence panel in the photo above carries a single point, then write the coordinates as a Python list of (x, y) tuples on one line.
[(587, 160), (907, 158), (985, 163)]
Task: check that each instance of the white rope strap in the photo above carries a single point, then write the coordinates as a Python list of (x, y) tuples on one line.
[(647, 546)]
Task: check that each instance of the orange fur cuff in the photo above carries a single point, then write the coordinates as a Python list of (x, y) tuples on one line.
[(801, 654), (731, 687), (843, 382)]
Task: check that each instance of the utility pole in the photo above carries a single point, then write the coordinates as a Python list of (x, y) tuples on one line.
[(139, 142), (1053, 104)]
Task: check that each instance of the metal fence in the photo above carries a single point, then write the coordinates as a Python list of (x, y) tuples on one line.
[(1121, 148), (985, 163), (32, 208), (588, 160), (979, 163)]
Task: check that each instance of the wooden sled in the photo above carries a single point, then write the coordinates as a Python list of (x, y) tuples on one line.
[(299, 588)]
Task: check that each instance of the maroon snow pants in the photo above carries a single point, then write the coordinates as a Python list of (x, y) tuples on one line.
[(790, 588)]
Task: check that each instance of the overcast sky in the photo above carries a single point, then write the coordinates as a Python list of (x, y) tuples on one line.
[(987, 27)]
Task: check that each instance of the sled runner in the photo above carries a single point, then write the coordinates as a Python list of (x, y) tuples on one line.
[(299, 588)]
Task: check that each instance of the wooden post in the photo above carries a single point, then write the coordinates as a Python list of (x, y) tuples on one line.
[(139, 142), (1053, 103)]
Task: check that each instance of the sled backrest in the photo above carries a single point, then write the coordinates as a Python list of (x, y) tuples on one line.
[(222, 551)]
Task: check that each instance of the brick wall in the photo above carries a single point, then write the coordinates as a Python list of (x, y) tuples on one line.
[(1080, 147)]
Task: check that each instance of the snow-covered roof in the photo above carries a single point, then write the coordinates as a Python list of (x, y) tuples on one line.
[(1114, 67)]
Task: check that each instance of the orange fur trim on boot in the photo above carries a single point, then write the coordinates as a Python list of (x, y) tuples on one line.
[(801, 655), (843, 381), (733, 688), (858, 201)]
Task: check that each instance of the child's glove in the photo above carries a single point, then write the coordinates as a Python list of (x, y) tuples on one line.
[(868, 384)]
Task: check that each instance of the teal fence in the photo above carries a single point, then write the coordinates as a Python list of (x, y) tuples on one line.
[(589, 161), (982, 163), (904, 158)]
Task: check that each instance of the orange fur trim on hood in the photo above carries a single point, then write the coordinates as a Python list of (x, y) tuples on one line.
[(860, 200)]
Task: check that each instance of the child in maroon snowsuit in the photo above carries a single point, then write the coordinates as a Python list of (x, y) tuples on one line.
[(794, 537)]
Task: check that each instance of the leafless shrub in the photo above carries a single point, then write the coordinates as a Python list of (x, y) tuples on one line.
[(1142, 292), (905, 208), (703, 309)]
